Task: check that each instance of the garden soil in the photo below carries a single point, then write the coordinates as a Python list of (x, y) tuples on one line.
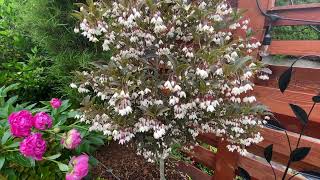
[(120, 162)]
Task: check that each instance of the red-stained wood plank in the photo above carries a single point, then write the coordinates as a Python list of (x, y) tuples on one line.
[(258, 168), (295, 7), (233, 3), (272, 4), (312, 13), (209, 139), (295, 47), (303, 79), (192, 171), (202, 156), (292, 124), (279, 103), (226, 163), (257, 20), (282, 151)]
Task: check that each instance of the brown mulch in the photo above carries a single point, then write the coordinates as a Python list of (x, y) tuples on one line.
[(126, 165)]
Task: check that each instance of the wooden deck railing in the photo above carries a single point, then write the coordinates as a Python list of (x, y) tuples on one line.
[(304, 85)]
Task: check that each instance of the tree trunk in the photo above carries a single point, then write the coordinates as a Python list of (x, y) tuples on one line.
[(162, 175)]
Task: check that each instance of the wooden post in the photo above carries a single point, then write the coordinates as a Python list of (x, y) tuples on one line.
[(226, 163), (257, 20)]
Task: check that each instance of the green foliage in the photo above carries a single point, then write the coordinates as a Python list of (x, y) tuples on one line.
[(205, 169), (296, 33), (50, 25), (39, 50), (288, 2), (177, 154), (13, 165), (13, 43), (209, 147), (29, 74)]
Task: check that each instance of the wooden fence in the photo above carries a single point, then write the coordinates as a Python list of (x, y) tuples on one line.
[(304, 85)]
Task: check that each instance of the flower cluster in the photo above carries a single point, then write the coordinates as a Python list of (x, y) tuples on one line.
[(20, 123), (80, 167), (55, 103), (177, 69), (33, 145), (42, 121), (71, 139)]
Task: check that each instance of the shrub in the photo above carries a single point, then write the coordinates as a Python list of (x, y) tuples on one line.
[(50, 26), (29, 74), (36, 143), (176, 71), (13, 44)]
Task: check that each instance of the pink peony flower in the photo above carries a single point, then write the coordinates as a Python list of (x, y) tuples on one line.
[(42, 121), (80, 166), (72, 177), (55, 103), (71, 140), (20, 123), (33, 146)]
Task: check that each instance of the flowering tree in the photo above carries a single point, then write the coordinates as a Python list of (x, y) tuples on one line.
[(176, 70)]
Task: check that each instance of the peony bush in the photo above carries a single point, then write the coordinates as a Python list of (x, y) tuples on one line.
[(38, 143), (178, 68)]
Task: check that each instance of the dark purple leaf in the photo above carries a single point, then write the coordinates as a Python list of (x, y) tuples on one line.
[(300, 113), (284, 79), (243, 174), (268, 153), (274, 124), (299, 154), (316, 99)]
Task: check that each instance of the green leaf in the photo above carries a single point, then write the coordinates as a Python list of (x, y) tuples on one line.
[(46, 103), (60, 120), (162, 110), (31, 106), (72, 114), (53, 157), (268, 153), (32, 162), (14, 144), (11, 174), (65, 105), (96, 140), (19, 159), (63, 167), (300, 113), (202, 86), (9, 88), (284, 79), (5, 137), (2, 160), (93, 161), (181, 68), (299, 154), (12, 100), (240, 63)]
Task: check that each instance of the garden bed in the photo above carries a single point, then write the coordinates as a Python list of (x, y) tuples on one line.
[(125, 164)]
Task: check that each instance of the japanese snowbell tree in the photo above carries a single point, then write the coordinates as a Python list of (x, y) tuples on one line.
[(176, 70)]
